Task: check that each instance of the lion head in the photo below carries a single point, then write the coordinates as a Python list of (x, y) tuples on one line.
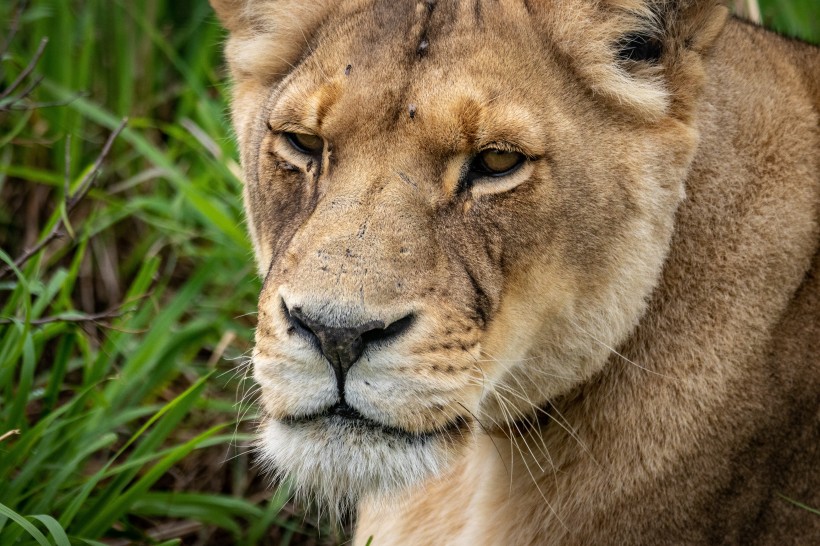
[(450, 201)]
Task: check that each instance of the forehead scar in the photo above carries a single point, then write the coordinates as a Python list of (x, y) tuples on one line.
[(424, 10)]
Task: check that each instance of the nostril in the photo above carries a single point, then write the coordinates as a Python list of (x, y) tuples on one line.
[(297, 323), (392, 331)]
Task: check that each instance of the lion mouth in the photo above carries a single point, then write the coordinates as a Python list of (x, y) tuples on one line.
[(346, 419), (341, 456)]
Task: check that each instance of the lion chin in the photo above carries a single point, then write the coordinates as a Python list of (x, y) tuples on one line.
[(337, 458)]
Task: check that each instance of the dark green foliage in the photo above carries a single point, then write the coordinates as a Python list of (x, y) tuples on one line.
[(795, 18)]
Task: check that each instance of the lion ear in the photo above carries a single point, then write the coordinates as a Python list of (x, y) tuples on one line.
[(701, 24), (646, 55), (267, 37), (684, 32), (662, 44), (674, 24), (229, 12)]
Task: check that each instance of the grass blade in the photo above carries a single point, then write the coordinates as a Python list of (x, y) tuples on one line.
[(55, 529), (25, 524)]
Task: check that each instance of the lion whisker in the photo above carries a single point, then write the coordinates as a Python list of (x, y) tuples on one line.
[(538, 433), (613, 351), (527, 466)]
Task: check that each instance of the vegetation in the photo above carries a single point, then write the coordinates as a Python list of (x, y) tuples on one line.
[(126, 281)]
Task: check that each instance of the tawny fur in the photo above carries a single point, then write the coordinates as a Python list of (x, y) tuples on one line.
[(628, 326)]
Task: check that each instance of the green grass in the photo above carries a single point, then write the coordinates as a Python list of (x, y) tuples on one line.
[(795, 18), (121, 342)]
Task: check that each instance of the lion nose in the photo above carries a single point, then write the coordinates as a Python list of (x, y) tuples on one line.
[(342, 345)]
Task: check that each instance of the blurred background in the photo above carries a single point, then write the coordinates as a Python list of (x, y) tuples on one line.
[(127, 282)]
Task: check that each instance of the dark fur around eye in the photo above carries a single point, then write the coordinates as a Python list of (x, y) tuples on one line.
[(639, 47)]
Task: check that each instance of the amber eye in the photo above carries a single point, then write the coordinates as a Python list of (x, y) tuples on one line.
[(496, 162), (305, 143)]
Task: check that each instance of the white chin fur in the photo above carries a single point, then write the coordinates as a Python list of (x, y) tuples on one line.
[(337, 465)]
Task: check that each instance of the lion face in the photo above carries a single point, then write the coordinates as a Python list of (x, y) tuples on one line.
[(456, 219)]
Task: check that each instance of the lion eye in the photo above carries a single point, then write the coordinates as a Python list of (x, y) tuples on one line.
[(496, 162), (305, 143)]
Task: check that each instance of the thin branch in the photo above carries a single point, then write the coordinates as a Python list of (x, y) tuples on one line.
[(70, 201), (15, 25), (90, 176), (13, 104), (9, 434), (26, 71), (79, 319), (32, 85), (95, 318), (114, 312)]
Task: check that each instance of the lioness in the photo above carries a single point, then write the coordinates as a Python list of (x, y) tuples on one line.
[(535, 272)]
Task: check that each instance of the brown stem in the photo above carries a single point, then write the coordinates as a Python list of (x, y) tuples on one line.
[(17, 106), (15, 25), (26, 71), (71, 202), (114, 312), (27, 91), (96, 317), (9, 434)]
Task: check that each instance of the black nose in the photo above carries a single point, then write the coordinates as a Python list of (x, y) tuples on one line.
[(343, 345)]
